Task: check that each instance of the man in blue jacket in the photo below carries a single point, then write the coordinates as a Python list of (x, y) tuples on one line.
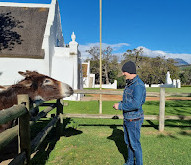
[(134, 96)]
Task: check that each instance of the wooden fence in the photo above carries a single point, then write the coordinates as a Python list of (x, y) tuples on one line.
[(22, 111), (161, 117)]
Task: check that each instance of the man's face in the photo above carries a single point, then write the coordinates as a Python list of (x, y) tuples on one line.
[(126, 75)]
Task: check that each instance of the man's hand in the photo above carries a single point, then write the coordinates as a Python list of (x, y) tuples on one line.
[(115, 106)]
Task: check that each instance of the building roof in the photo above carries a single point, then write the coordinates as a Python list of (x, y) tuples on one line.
[(84, 69), (22, 31)]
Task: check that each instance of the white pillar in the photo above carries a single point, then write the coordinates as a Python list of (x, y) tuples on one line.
[(178, 83), (73, 45), (162, 110), (174, 83), (168, 79)]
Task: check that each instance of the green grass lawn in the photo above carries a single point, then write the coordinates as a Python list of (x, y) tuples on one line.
[(100, 141), (157, 89), (177, 107), (171, 90)]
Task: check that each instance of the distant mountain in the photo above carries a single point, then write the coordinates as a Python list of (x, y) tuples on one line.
[(180, 62)]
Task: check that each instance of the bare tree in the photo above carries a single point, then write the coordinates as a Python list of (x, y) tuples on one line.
[(109, 63)]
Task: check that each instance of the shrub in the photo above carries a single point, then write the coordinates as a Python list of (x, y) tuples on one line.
[(121, 82)]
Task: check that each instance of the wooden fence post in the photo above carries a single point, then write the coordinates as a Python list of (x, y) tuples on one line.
[(24, 129), (162, 109), (59, 112)]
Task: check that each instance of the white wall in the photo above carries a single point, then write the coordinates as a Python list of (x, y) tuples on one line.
[(86, 79), (63, 66), (109, 86), (9, 67), (153, 85), (66, 66), (61, 63)]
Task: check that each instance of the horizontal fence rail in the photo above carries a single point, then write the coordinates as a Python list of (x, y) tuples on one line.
[(20, 111), (20, 159), (7, 136), (178, 94), (108, 92), (41, 135), (161, 117), (12, 113), (43, 113), (120, 92), (104, 116)]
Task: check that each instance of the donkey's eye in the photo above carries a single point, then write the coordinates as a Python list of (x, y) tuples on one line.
[(47, 81)]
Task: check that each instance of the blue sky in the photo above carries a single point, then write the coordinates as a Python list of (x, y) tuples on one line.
[(161, 27)]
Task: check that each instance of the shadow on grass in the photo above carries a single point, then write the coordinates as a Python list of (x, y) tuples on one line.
[(185, 133), (175, 107), (9, 151), (118, 137), (178, 123), (151, 124), (148, 124), (42, 154), (168, 123)]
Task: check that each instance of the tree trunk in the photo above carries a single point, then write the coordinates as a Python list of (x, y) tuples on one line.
[(106, 75)]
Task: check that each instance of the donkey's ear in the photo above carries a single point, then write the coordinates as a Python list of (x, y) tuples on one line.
[(2, 87), (30, 73), (26, 83), (23, 73)]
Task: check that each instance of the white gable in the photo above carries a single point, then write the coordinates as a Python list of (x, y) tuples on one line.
[(60, 62)]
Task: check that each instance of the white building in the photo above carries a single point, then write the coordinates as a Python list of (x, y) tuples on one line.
[(88, 78), (32, 39)]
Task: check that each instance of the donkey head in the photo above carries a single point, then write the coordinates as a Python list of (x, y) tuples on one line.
[(42, 87)]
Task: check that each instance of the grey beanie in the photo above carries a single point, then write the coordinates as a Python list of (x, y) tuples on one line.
[(129, 67)]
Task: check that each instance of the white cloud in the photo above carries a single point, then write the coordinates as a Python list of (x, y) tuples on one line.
[(155, 53), (120, 48), (115, 47)]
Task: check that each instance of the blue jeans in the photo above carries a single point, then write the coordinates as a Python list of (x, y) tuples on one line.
[(132, 139)]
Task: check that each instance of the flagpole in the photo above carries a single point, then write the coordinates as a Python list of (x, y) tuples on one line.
[(100, 101)]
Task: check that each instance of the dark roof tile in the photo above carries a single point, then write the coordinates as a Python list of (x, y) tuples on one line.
[(22, 31)]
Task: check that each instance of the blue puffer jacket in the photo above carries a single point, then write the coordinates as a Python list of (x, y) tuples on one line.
[(134, 96)]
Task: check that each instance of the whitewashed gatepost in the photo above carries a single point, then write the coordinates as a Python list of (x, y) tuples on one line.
[(162, 109), (168, 84)]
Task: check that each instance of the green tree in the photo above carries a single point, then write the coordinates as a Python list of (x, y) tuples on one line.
[(151, 70), (121, 82), (134, 55), (109, 64), (185, 75)]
